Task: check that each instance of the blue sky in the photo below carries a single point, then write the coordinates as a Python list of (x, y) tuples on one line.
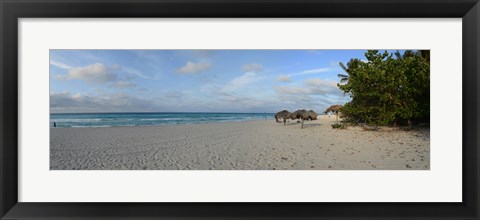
[(196, 80)]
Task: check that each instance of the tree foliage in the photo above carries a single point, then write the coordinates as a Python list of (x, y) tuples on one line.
[(387, 89)]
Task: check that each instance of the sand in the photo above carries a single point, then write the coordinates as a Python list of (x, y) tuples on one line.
[(253, 145)]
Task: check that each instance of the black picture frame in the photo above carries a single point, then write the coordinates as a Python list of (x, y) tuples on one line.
[(12, 10)]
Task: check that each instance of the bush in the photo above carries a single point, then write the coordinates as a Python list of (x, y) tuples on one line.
[(339, 126), (387, 89)]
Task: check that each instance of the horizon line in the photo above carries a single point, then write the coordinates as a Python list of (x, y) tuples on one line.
[(158, 112)]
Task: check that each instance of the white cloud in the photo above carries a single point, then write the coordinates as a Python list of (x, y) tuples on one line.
[(220, 98), (122, 84), (287, 77), (311, 87), (191, 67), (166, 101), (244, 80), (66, 102), (313, 71), (77, 96), (173, 95), (94, 73), (314, 93), (284, 78), (319, 70), (252, 67), (328, 85), (59, 64), (292, 90), (135, 72), (250, 76)]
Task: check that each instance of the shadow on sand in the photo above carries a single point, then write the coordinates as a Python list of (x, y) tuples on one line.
[(311, 125), (306, 125)]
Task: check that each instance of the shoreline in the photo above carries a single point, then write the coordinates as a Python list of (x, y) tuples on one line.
[(239, 145), (160, 125)]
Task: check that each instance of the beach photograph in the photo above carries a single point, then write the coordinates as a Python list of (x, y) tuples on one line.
[(253, 109)]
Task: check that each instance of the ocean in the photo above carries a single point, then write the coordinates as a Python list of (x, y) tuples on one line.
[(148, 119)]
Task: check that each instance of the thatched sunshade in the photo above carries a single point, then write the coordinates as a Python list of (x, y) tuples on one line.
[(335, 109), (304, 115), (283, 115)]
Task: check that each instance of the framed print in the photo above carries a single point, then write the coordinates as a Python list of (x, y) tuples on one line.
[(226, 109)]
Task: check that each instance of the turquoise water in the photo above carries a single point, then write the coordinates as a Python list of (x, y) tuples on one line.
[(148, 119)]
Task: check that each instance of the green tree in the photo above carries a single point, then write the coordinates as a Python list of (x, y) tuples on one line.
[(352, 64), (387, 90)]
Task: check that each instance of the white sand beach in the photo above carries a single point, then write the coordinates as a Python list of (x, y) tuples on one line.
[(253, 145)]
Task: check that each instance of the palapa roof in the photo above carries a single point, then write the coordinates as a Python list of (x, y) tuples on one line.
[(333, 108)]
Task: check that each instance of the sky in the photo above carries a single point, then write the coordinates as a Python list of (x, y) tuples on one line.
[(246, 81)]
